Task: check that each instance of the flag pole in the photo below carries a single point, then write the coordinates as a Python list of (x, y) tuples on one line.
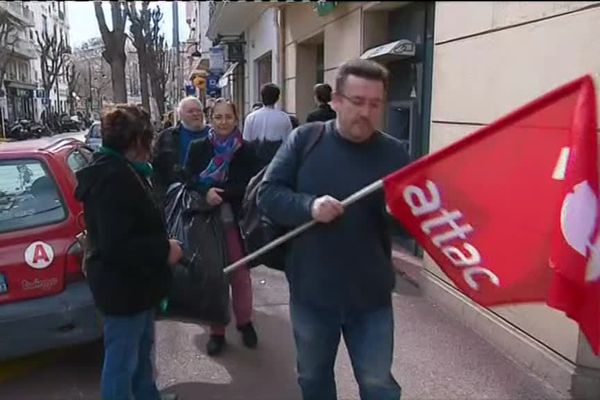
[(367, 190)]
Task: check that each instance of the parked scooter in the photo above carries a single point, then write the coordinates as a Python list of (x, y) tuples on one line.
[(25, 129)]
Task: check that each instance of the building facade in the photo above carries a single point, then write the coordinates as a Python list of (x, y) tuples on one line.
[(50, 15), (18, 93), (454, 68), (94, 86), (24, 97)]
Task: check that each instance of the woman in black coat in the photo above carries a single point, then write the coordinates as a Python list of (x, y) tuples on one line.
[(221, 166), (129, 251)]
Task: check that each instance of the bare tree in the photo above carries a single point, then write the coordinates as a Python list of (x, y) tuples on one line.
[(140, 31), (53, 48), (158, 59), (9, 27), (114, 45), (72, 75)]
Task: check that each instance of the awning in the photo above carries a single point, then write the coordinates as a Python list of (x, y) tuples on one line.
[(224, 81), (394, 50), (20, 85)]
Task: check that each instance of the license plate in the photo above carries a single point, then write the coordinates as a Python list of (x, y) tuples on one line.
[(3, 284)]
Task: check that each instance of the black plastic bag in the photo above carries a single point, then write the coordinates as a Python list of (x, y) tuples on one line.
[(199, 288)]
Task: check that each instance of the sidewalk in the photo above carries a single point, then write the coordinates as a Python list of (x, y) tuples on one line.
[(435, 357)]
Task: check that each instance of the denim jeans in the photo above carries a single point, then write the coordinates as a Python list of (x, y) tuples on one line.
[(369, 338), (128, 370)]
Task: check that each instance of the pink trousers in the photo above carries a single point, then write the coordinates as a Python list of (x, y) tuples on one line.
[(239, 280)]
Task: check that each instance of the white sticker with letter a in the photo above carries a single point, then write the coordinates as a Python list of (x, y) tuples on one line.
[(39, 255)]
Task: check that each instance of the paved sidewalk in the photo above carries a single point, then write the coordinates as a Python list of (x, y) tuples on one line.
[(435, 357)]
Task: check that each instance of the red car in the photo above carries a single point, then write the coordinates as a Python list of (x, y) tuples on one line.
[(45, 301)]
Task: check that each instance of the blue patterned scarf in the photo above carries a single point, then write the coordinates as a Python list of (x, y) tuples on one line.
[(223, 150)]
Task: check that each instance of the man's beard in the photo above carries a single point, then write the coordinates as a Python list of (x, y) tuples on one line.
[(193, 129)]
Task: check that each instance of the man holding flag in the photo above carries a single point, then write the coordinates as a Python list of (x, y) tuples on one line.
[(340, 272), (511, 214)]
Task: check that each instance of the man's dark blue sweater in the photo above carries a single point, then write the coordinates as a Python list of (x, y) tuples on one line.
[(346, 264)]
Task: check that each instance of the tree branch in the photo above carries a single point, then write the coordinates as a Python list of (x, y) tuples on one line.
[(101, 21)]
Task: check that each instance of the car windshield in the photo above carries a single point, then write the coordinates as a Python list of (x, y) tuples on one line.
[(94, 131), (28, 196)]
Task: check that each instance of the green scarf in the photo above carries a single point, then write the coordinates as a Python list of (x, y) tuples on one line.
[(143, 168)]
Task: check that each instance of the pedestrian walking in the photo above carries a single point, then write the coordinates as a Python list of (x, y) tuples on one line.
[(340, 272), (323, 112), (172, 144), (267, 127), (221, 165), (129, 251)]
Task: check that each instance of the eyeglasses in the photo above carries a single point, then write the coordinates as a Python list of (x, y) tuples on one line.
[(361, 101)]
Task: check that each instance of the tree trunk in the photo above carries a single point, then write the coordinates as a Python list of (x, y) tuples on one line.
[(117, 70), (57, 99), (145, 91), (159, 95)]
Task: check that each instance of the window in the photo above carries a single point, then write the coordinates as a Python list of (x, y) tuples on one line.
[(31, 34), (87, 153), (76, 161), (45, 24), (95, 132), (28, 196)]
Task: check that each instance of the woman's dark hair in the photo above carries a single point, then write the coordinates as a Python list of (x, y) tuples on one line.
[(123, 125), (365, 69), (323, 92), (231, 104)]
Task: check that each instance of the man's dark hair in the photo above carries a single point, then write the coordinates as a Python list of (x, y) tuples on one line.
[(323, 92), (269, 94), (365, 69), (123, 125)]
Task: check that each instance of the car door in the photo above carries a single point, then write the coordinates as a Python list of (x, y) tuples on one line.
[(35, 230)]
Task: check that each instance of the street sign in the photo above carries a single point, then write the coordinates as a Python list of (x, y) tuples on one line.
[(216, 59), (190, 90), (212, 85)]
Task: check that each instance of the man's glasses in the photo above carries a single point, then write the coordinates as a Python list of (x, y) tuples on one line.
[(360, 101)]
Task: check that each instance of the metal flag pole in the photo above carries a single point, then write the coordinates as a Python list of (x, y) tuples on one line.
[(373, 187)]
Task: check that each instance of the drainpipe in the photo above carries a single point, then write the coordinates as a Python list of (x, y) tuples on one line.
[(280, 25)]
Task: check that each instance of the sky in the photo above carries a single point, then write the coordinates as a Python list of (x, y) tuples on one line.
[(83, 24)]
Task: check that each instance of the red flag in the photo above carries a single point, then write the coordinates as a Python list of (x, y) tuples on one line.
[(493, 209)]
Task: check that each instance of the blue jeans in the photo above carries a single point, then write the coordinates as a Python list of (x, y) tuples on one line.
[(127, 372), (370, 341)]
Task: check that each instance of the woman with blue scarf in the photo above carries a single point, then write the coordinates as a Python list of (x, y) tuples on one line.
[(222, 165)]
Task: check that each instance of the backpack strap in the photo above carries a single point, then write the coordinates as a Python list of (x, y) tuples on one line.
[(315, 133)]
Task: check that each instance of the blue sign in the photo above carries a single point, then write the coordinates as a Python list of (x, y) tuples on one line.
[(212, 85), (190, 90)]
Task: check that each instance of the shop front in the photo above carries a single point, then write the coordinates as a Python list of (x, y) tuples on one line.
[(20, 101)]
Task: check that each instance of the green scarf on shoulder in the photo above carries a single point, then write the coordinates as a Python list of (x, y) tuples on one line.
[(143, 168)]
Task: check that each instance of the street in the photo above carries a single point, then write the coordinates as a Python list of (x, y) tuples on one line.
[(75, 135), (435, 357)]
